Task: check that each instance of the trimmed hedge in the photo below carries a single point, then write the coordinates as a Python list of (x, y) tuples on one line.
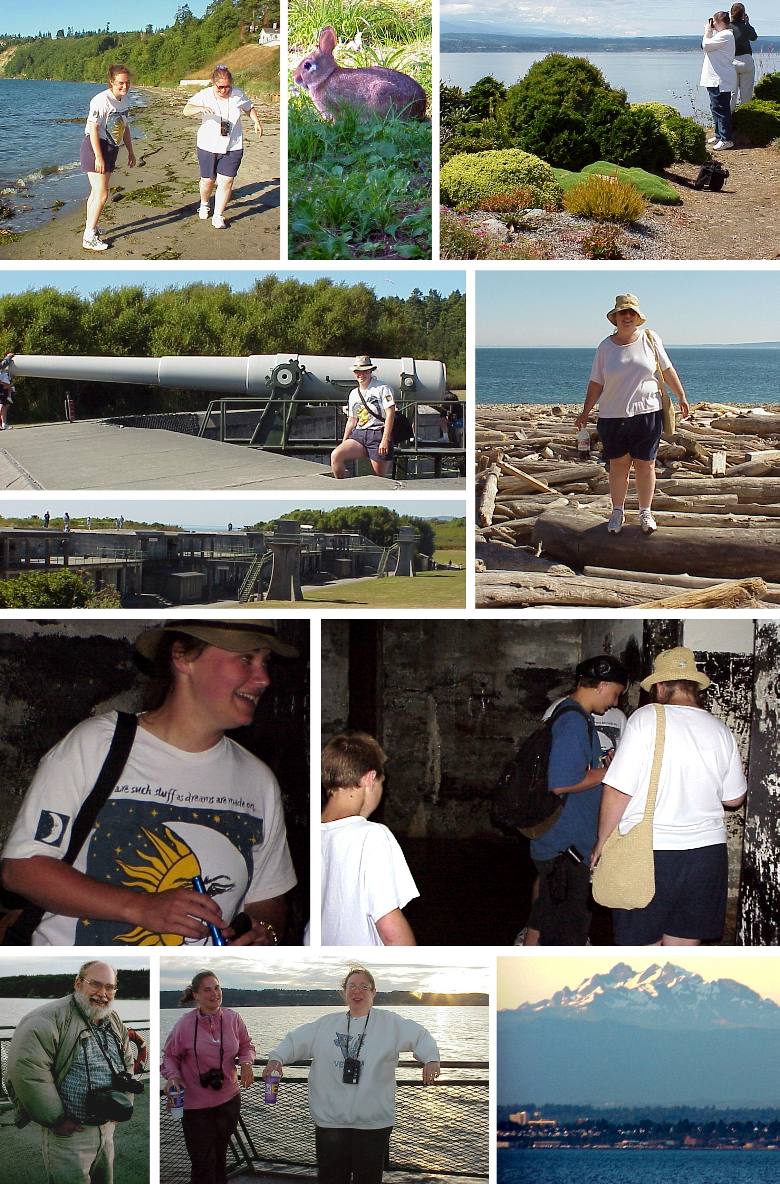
[(687, 139), (758, 121), (469, 177)]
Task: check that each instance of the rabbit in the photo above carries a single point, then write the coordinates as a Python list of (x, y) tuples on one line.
[(375, 88)]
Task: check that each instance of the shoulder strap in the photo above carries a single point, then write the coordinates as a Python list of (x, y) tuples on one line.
[(378, 413), (654, 347), (20, 932), (562, 708), (116, 759), (658, 753)]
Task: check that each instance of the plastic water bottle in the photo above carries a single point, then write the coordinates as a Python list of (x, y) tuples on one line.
[(176, 1094), (271, 1088), (583, 442)]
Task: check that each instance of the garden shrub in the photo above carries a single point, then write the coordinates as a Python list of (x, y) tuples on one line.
[(458, 241), (558, 135), (469, 177), (608, 199), (687, 139), (458, 145), (636, 140), (758, 121), (509, 202), (654, 188), (603, 243), (768, 88)]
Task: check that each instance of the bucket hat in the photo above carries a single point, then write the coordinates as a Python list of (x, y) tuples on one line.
[(671, 665), (363, 362), (238, 637), (626, 300)]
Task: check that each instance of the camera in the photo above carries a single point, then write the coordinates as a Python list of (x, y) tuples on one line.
[(212, 1079), (128, 1083), (351, 1074), (224, 127), (110, 1103)]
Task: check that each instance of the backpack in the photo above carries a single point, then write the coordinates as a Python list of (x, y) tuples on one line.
[(712, 175), (522, 801)]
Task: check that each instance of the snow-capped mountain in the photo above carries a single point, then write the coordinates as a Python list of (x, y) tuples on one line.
[(659, 997), (661, 1036)]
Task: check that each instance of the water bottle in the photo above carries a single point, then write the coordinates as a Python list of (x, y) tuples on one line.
[(176, 1094), (583, 442)]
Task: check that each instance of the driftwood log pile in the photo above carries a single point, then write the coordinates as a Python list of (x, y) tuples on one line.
[(542, 509)]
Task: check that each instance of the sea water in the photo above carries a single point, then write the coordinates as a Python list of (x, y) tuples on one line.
[(646, 75), (41, 129), (637, 1167), (731, 375)]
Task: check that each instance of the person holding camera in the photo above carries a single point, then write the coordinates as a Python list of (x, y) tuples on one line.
[(70, 1070), (220, 142), (200, 1058), (744, 65), (719, 76), (352, 1079)]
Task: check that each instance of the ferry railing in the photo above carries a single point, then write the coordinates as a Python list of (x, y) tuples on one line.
[(440, 1130), (7, 1031)]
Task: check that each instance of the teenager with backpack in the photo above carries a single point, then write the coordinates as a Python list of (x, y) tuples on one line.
[(561, 912)]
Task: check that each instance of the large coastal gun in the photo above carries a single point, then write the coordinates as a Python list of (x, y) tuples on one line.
[(257, 399)]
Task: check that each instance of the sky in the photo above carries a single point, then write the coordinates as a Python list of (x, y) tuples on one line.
[(532, 977), (40, 962), (47, 16), (567, 308), (311, 970), (397, 282), (603, 18), (207, 514)]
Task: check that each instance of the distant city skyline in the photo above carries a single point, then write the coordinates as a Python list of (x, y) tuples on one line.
[(537, 976), (599, 18), (534, 308)]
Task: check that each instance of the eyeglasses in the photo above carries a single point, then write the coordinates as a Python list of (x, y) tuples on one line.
[(109, 988)]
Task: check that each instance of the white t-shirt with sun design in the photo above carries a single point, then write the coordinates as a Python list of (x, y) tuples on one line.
[(171, 816), (379, 398)]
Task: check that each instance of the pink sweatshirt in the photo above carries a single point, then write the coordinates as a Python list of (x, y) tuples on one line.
[(179, 1055)]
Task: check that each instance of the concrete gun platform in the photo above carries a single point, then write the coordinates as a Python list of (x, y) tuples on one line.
[(91, 454)]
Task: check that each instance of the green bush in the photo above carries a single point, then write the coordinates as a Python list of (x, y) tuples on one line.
[(687, 139), (458, 145), (467, 178), (556, 81), (758, 121), (635, 140), (653, 188), (768, 88), (558, 135), (605, 198)]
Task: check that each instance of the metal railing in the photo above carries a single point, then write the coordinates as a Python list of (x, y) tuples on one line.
[(253, 576), (7, 1031), (440, 1130)]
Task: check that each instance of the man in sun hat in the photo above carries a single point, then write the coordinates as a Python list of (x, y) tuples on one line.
[(369, 428), (188, 802), (700, 775)]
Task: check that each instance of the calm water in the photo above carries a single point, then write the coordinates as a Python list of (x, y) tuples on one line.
[(638, 1167), (749, 376), (653, 75), (41, 129), (13, 1010)]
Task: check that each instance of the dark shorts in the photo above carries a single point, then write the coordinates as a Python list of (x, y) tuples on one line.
[(637, 436), (87, 155), (371, 438), (5, 396), (561, 912), (690, 899), (219, 164)]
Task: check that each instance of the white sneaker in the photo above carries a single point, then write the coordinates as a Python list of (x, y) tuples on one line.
[(203, 212), (712, 140), (647, 521), (95, 243), (218, 223), (615, 524), (720, 145)]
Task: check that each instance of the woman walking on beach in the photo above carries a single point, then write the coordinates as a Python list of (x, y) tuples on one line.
[(220, 142), (105, 130), (719, 76), (624, 384), (744, 65)]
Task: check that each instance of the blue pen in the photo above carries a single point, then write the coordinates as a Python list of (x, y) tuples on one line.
[(216, 937)]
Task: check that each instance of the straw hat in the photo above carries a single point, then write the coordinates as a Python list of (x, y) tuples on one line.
[(363, 362), (671, 665), (238, 637), (627, 300)]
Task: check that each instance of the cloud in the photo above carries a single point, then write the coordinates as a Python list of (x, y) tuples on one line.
[(599, 18)]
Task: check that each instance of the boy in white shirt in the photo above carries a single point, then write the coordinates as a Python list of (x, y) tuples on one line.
[(365, 878)]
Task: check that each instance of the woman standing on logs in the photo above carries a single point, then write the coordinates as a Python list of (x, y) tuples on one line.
[(624, 384)]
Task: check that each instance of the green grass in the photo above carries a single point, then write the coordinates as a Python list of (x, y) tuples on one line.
[(430, 589), (359, 188), (402, 23)]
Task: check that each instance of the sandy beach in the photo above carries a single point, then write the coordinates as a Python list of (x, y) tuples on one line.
[(152, 211)]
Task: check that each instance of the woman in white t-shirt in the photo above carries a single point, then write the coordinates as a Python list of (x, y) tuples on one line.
[(106, 129), (220, 143), (701, 773), (368, 432), (624, 383)]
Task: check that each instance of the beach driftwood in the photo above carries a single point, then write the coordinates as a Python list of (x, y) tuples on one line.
[(717, 506)]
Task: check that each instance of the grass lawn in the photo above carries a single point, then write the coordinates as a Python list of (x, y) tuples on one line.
[(430, 589)]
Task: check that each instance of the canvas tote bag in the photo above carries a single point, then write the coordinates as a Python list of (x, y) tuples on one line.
[(624, 877)]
